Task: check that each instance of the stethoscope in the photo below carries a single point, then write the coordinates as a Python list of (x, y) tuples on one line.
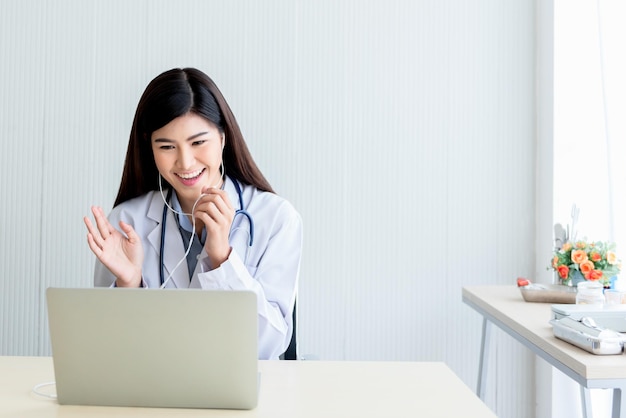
[(240, 211)]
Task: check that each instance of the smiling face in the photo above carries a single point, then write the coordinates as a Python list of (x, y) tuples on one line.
[(188, 153)]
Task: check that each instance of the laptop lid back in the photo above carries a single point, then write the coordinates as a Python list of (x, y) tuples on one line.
[(154, 347)]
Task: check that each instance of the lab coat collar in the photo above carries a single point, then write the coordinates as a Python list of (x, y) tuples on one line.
[(230, 189)]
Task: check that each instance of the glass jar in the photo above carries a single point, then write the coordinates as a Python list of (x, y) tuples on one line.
[(590, 293)]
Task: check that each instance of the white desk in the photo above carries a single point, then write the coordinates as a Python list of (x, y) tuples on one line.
[(288, 389), (527, 322)]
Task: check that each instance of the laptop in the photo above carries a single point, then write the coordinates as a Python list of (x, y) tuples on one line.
[(176, 348)]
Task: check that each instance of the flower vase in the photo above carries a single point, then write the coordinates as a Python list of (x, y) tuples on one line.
[(577, 277)]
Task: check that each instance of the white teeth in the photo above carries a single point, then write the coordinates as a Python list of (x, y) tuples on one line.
[(190, 175)]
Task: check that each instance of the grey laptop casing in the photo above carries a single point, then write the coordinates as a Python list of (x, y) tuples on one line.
[(154, 347)]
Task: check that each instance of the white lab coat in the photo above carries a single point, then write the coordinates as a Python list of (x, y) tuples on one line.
[(271, 267)]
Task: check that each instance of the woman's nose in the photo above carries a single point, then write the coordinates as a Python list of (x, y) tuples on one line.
[(185, 158)]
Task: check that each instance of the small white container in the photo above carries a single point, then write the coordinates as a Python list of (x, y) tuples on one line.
[(590, 293), (615, 296)]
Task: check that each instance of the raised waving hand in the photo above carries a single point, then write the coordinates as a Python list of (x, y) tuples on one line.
[(121, 253)]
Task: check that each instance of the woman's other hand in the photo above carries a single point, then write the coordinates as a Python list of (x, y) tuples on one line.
[(122, 255), (215, 212)]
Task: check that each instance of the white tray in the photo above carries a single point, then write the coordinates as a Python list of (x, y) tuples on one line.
[(548, 293)]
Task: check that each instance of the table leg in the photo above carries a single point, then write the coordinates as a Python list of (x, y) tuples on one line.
[(484, 356), (619, 399), (585, 400)]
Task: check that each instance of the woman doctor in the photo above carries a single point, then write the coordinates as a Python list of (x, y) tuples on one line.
[(194, 211)]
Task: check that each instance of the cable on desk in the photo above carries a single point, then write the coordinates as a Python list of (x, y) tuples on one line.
[(45, 395)]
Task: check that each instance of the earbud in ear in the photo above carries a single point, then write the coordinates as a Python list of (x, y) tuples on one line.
[(223, 141)]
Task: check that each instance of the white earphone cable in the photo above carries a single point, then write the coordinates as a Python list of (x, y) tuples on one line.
[(193, 221), (36, 390), (193, 229)]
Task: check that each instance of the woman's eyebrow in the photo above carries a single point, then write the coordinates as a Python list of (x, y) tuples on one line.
[(188, 139)]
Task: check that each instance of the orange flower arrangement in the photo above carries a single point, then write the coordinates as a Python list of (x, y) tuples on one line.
[(595, 261)]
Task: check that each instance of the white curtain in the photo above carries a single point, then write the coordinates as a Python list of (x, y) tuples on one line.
[(589, 141), (589, 122)]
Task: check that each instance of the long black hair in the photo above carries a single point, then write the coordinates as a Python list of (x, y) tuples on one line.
[(172, 94)]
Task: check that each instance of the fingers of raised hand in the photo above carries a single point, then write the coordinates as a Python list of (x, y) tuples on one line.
[(104, 227), (129, 231), (99, 232), (91, 240)]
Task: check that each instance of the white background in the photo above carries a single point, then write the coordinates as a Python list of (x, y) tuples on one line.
[(405, 132), (589, 141)]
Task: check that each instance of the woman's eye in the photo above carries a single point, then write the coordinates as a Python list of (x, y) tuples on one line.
[(166, 147), (199, 142)]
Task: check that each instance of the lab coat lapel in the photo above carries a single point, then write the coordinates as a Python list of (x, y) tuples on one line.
[(174, 248), (229, 187)]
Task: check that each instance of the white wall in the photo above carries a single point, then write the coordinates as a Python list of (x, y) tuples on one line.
[(544, 223), (403, 131)]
